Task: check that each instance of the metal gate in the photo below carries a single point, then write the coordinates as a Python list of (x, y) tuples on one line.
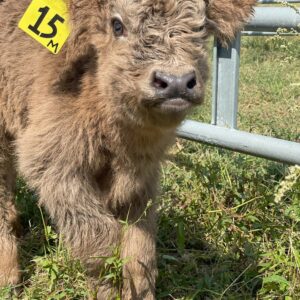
[(222, 131)]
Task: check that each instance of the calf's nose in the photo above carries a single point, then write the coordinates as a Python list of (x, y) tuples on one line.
[(172, 86)]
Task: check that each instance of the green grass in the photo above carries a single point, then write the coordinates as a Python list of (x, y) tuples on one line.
[(229, 225)]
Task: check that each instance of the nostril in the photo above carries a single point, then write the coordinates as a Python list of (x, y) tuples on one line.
[(159, 82), (192, 83)]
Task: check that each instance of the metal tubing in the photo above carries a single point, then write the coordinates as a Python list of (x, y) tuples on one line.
[(276, 1), (266, 33), (225, 96), (240, 141), (226, 83), (272, 18)]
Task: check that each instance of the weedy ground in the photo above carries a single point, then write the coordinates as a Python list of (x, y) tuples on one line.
[(229, 225)]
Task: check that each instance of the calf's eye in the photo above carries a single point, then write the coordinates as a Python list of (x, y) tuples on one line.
[(118, 27), (199, 29)]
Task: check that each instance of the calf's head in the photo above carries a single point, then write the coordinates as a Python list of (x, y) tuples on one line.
[(151, 54)]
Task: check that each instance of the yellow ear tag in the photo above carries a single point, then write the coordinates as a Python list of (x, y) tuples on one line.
[(47, 22)]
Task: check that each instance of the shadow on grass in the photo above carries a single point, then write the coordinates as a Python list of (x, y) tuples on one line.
[(201, 270), (211, 223)]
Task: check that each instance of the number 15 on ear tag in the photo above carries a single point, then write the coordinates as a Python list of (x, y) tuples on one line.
[(47, 22)]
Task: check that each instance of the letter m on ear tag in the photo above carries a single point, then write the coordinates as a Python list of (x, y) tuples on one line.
[(47, 22)]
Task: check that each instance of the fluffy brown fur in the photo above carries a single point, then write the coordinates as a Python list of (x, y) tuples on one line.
[(225, 17), (87, 128)]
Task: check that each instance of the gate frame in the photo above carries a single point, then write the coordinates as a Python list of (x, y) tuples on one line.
[(226, 64)]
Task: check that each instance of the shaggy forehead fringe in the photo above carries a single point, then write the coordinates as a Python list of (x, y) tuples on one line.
[(179, 9), (173, 23), (163, 14)]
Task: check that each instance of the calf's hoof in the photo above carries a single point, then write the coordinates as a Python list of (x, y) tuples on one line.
[(106, 292), (102, 291), (9, 275), (9, 267)]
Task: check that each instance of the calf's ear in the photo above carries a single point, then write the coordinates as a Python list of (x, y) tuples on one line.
[(226, 17)]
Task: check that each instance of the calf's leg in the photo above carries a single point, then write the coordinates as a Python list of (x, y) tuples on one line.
[(92, 233), (9, 270), (138, 248), (87, 230)]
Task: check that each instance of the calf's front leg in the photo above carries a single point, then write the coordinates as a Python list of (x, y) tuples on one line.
[(9, 269), (87, 229), (139, 249)]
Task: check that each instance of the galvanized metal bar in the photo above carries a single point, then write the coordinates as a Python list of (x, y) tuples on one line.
[(226, 83), (272, 18), (276, 1), (240, 141), (225, 96), (266, 33)]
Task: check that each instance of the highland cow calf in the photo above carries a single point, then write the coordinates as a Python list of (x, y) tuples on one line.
[(88, 127)]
